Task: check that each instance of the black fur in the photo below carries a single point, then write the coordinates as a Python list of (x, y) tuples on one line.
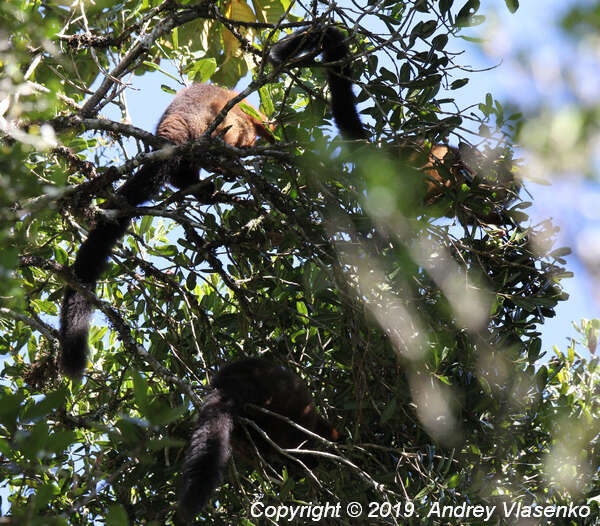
[(186, 118), (332, 43), (207, 454), (255, 381), (89, 265)]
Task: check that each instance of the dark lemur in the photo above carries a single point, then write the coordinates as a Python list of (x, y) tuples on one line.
[(299, 48), (255, 381), (186, 118)]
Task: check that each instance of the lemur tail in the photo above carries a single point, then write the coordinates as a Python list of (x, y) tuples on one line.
[(207, 454), (89, 264), (331, 42)]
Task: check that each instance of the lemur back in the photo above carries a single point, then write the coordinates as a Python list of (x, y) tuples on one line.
[(258, 382), (187, 117)]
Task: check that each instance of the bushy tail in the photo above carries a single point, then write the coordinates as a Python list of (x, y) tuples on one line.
[(76, 311), (89, 264), (207, 455), (332, 43), (343, 103)]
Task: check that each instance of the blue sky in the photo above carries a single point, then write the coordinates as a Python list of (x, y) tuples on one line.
[(531, 30), (532, 82), (571, 202)]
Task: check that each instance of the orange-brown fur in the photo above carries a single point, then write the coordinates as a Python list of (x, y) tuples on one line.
[(450, 157), (447, 167), (195, 108), (187, 117)]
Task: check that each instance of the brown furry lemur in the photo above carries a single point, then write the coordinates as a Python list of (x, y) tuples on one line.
[(255, 381), (445, 166), (186, 118)]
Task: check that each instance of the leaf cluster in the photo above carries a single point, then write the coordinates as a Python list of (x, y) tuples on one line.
[(416, 326)]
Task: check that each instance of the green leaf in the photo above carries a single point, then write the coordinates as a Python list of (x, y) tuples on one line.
[(61, 440), (246, 108), (512, 5), (10, 408), (389, 411), (270, 12), (560, 252), (266, 100), (422, 30), (388, 75), (51, 402), (405, 72), (161, 414), (453, 481), (191, 281), (145, 224), (445, 5), (459, 83), (116, 516), (140, 391), (422, 6), (533, 350), (152, 65), (465, 17), (33, 442), (164, 250), (43, 495), (301, 308), (201, 70), (439, 42)]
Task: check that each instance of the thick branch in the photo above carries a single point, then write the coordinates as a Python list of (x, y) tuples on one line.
[(36, 325), (73, 121)]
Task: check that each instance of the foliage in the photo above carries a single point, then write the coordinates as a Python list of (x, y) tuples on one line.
[(415, 324), (561, 131)]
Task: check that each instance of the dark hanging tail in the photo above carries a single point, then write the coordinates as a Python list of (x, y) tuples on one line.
[(332, 43), (89, 265), (76, 311), (343, 104), (207, 454)]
